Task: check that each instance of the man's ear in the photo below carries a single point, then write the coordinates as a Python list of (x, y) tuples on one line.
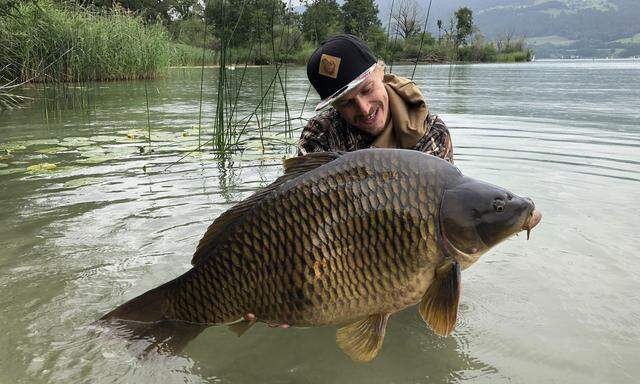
[(378, 72)]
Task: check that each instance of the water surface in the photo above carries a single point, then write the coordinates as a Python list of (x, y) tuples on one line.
[(114, 219)]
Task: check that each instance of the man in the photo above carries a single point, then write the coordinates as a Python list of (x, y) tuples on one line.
[(370, 109)]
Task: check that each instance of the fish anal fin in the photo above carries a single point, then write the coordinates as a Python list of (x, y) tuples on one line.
[(439, 305), (241, 326), (293, 168), (362, 340)]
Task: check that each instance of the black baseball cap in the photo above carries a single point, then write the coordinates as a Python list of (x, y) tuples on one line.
[(338, 65)]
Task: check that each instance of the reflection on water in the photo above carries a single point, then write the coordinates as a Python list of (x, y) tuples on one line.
[(112, 221)]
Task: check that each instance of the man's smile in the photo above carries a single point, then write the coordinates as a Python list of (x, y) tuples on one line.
[(370, 118)]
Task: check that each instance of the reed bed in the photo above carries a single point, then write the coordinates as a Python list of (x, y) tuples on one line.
[(515, 57), (43, 42), (183, 55)]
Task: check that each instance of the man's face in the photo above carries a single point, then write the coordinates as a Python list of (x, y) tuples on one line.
[(366, 107)]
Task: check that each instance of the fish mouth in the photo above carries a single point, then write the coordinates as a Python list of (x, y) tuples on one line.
[(534, 218)]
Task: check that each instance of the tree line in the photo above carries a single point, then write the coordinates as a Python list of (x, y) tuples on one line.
[(268, 31)]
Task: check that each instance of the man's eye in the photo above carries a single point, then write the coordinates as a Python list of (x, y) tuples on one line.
[(366, 90)]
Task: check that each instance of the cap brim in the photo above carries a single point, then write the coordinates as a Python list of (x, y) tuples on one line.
[(347, 88)]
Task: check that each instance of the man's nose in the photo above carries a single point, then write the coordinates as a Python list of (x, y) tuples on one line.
[(362, 105)]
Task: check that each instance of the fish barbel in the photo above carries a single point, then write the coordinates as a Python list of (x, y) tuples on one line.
[(341, 239)]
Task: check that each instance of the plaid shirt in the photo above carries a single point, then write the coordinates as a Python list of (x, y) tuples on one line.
[(328, 131)]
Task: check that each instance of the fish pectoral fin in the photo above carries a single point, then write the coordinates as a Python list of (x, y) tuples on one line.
[(241, 326), (362, 340), (439, 305)]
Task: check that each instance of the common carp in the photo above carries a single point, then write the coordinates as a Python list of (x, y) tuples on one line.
[(340, 239)]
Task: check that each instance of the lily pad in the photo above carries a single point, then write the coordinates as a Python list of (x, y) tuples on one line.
[(76, 183), (99, 155), (129, 138), (10, 147), (52, 150), (94, 160), (102, 139), (76, 142), (133, 132), (42, 142), (10, 171), (42, 167)]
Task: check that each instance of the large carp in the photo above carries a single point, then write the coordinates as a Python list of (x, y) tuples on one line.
[(341, 239)]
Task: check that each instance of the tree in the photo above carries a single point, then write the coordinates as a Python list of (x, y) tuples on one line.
[(321, 19), (152, 11), (244, 21), (406, 19), (185, 8), (464, 25), (360, 17)]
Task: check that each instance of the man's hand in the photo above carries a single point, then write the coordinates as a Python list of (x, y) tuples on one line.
[(251, 317)]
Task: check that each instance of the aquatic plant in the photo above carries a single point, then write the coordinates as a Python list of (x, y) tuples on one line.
[(8, 98), (47, 42), (228, 127), (182, 55)]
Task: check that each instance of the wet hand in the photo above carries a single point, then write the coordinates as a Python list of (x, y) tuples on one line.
[(251, 317)]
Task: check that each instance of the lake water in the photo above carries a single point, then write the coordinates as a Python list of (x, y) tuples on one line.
[(110, 222)]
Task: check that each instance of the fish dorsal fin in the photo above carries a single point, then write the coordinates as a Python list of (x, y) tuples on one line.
[(308, 162), (439, 305), (362, 340), (293, 168)]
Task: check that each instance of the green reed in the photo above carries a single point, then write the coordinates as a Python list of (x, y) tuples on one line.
[(204, 40), (422, 36), (49, 42), (182, 55), (9, 98)]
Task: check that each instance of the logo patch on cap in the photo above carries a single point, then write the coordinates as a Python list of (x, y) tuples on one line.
[(329, 66)]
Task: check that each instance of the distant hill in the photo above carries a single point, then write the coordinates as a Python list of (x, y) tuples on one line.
[(553, 28)]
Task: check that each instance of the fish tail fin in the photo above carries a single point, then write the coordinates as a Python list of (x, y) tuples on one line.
[(148, 307), (164, 337), (145, 318)]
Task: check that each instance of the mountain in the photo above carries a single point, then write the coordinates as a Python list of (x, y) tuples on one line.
[(553, 28)]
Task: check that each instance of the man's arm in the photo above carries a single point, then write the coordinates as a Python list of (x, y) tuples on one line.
[(437, 141)]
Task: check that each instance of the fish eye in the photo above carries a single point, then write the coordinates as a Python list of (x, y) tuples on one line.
[(498, 205)]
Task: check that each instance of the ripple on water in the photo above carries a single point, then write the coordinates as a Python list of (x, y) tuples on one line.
[(113, 221)]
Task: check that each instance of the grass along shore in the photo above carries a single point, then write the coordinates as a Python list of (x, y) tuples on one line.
[(42, 41), (45, 42)]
